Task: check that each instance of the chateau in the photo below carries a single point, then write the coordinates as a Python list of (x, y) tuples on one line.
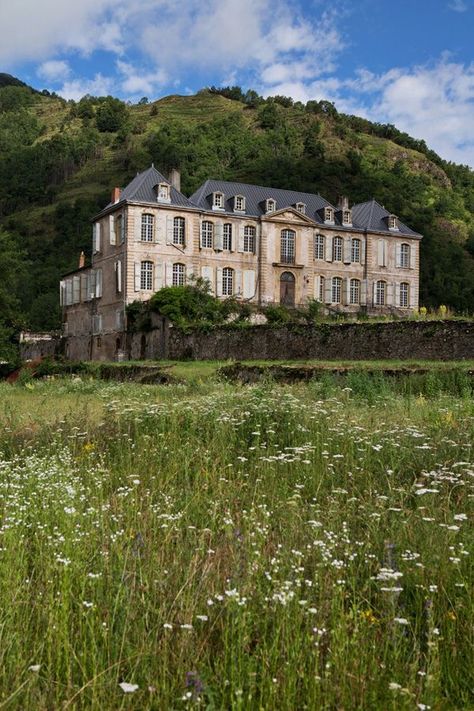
[(262, 245)]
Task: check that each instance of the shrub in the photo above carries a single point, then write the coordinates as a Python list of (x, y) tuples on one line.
[(277, 315)]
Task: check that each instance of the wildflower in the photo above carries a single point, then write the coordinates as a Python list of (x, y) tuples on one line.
[(393, 686), (203, 618), (128, 688), (34, 667), (167, 626), (401, 620)]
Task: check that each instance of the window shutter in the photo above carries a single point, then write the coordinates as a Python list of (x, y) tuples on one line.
[(84, 287), (96, 235), (208, 274), (412, 256), (381, 252), (249, 283), (137, 226), (158, 276), (374, 293), (390, 290), (257, 238), (363, 292), (119, 320), (328, 249), (328, 292), (346, 291), (159, 236), (169, 274), (317, 286), (137, 269), (169, 229), (219, 237), (112, 237), (362, 251), (61, 293), (76, 289), (241, 239), (397, 294), (92, 282), (118, 274), (412, 296), (398, 255), (347, 250), (98, 283), (218, 281), (238, 282)]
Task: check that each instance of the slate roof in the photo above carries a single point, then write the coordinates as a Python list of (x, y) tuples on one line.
[(372, 216), (141, 189)]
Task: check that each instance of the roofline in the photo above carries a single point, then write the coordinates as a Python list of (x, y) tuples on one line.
[(74, 271), (122, 203)]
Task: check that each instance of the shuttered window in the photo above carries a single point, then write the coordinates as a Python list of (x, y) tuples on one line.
[(319, 247), (146, 276), (355, 250), (179, 274), (336, 290), (178, 231), (207, 234), (354, 291), (404, 294), (405, 256), (227, 238), (337, 249), (249, 239), (227, 281)]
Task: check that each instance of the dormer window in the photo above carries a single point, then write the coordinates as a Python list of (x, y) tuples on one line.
[(346, 217), (163, 192), (392, 222), (239, 203), (217, 201), (301, 207), (270, 205), (328, 214)]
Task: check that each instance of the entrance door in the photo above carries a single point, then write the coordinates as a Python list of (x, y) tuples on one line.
[(287, 289)]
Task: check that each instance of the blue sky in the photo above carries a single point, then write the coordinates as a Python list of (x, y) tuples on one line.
[(407, 62)]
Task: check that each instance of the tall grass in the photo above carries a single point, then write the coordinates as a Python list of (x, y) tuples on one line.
[(220, 547)]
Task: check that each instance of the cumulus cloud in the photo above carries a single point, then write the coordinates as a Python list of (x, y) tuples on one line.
[(54, 70), (136, 82), (77, 88), (458, 6)]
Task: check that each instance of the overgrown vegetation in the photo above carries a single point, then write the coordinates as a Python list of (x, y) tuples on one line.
[(60, 159)]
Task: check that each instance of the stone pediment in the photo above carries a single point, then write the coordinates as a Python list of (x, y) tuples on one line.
[(289, 214)]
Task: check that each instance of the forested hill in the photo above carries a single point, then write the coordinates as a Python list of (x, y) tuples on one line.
[(59, 161)]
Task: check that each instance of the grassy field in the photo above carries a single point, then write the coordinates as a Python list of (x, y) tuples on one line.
[(213, 546)]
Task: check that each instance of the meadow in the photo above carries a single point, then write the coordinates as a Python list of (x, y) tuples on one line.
[(213, 546)]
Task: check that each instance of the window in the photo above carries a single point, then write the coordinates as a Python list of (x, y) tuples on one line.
[(322, 283), (270, 205), (287, 246), (146, 276), (218, 201), (346, 217), (355, 250), (239, 203), (337, 249), (207, 235), (405, 255), (147, 228), (328, 214), (163, 192), (354, 291), (179, 275), (249, 239), (227, 237), (380, 289), (120, 228), (392, 222), (301, 207), (227, 281), (336, 290), (404, 294), (319, 244), (178, 231)]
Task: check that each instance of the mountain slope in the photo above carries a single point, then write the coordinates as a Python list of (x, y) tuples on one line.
[(60, 160)]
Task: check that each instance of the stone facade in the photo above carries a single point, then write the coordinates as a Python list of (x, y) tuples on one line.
[(262, 249)]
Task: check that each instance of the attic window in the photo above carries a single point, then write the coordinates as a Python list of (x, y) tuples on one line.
[(328, 214), (270, 205), (392, 222), (239, 203), (301, 207), (217, 201), (163, 192), (346, 217)]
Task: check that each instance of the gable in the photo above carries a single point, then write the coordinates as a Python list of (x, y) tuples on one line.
[(291, 215)]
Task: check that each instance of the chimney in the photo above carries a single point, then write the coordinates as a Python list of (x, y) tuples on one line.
[(175, 179), (115, 195), (82, 260), (343, 202)]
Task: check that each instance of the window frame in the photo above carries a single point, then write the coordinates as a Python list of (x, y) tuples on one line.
[(354, 292), (215, 202), (179, 231), (250, 235), (329, 214), (227, 237), (207, 234), (322, 289), (268, 209), (347, 217), (239, 199), (336, 290), (405, 255), (355, 250), (146, 275), (301, 207), (319, 247), (392, 222), (287, 246), (380, 292), (337, 249), (163, 194), (178, 277), (404, 295), (228, 281), (147, 227)]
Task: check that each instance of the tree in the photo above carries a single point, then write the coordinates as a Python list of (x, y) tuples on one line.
[(12, 272), (111, 115)]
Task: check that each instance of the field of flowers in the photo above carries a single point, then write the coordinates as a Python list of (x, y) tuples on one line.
[(214, 546)]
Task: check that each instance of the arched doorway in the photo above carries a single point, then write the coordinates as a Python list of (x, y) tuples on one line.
[(287, 289)]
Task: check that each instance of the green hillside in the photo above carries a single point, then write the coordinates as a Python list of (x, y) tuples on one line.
[(59, 161)]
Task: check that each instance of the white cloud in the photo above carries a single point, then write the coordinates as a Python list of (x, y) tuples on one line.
[(458, 6), (137, 83), (77, 88), (54, 70)]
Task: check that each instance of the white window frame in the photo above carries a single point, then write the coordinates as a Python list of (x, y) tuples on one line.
[(287, 246), (337, 249), (270, 205), (328, 215), (163, 192), (336, 290), (404, 297), (380, 293), (354, 292), (322, 287), (179, 231), (355, 250), (207, 234), (250, 234), (405, 255), (392, 222), (228, 281), (217, 201), (301, 207), (179, 274), (347, 217), (147, 227), (239, 203), (319, 246), (227, 237), (146, 275)]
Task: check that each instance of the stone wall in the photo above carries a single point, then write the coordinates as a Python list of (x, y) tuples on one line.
[(429, 340)]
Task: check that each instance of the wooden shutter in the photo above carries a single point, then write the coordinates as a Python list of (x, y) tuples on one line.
[(169, 229), (328, 291), (257, 238), (218, 281), (159, 228), (158, 276), (381, 252), (362, 251), (328, 242), (317, 286), (412, 256), (137, 226), (137, 271), (413, 296), (118, 275), (96, 235), (169, 274), (389, 295), (397, 294), (398, 255), (346, 291), (363, 292), (241, 239), (219, 237), (208, 274), (84, 287), (112, 237), (249, 283), (98, 283), (92, 281), (374, 293), (347, 250), (238, 282)]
